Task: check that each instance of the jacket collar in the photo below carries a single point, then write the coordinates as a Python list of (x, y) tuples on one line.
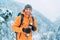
[(23, 12)]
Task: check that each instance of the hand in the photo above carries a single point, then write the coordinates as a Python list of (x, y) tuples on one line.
[(24, 29), (32, 27)]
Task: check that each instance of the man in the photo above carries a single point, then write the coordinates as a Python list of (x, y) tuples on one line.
[(24, 31)]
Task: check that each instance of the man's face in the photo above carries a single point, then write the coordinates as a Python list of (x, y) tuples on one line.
[(28, 11)]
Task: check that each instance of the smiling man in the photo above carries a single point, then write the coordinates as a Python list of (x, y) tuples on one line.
[(24, 24)]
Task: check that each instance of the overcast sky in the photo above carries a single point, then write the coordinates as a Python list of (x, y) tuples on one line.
[(49, 8)]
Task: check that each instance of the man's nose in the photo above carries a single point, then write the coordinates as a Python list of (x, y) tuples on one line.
[(28, 10)]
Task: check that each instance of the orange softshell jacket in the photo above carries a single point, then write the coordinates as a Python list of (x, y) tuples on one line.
[(20, 34)]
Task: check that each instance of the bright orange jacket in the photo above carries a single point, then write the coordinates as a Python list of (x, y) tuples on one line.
[(20, 34)]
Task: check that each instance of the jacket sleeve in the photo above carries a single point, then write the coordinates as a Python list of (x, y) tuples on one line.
[(35, 24), (15, 27)]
